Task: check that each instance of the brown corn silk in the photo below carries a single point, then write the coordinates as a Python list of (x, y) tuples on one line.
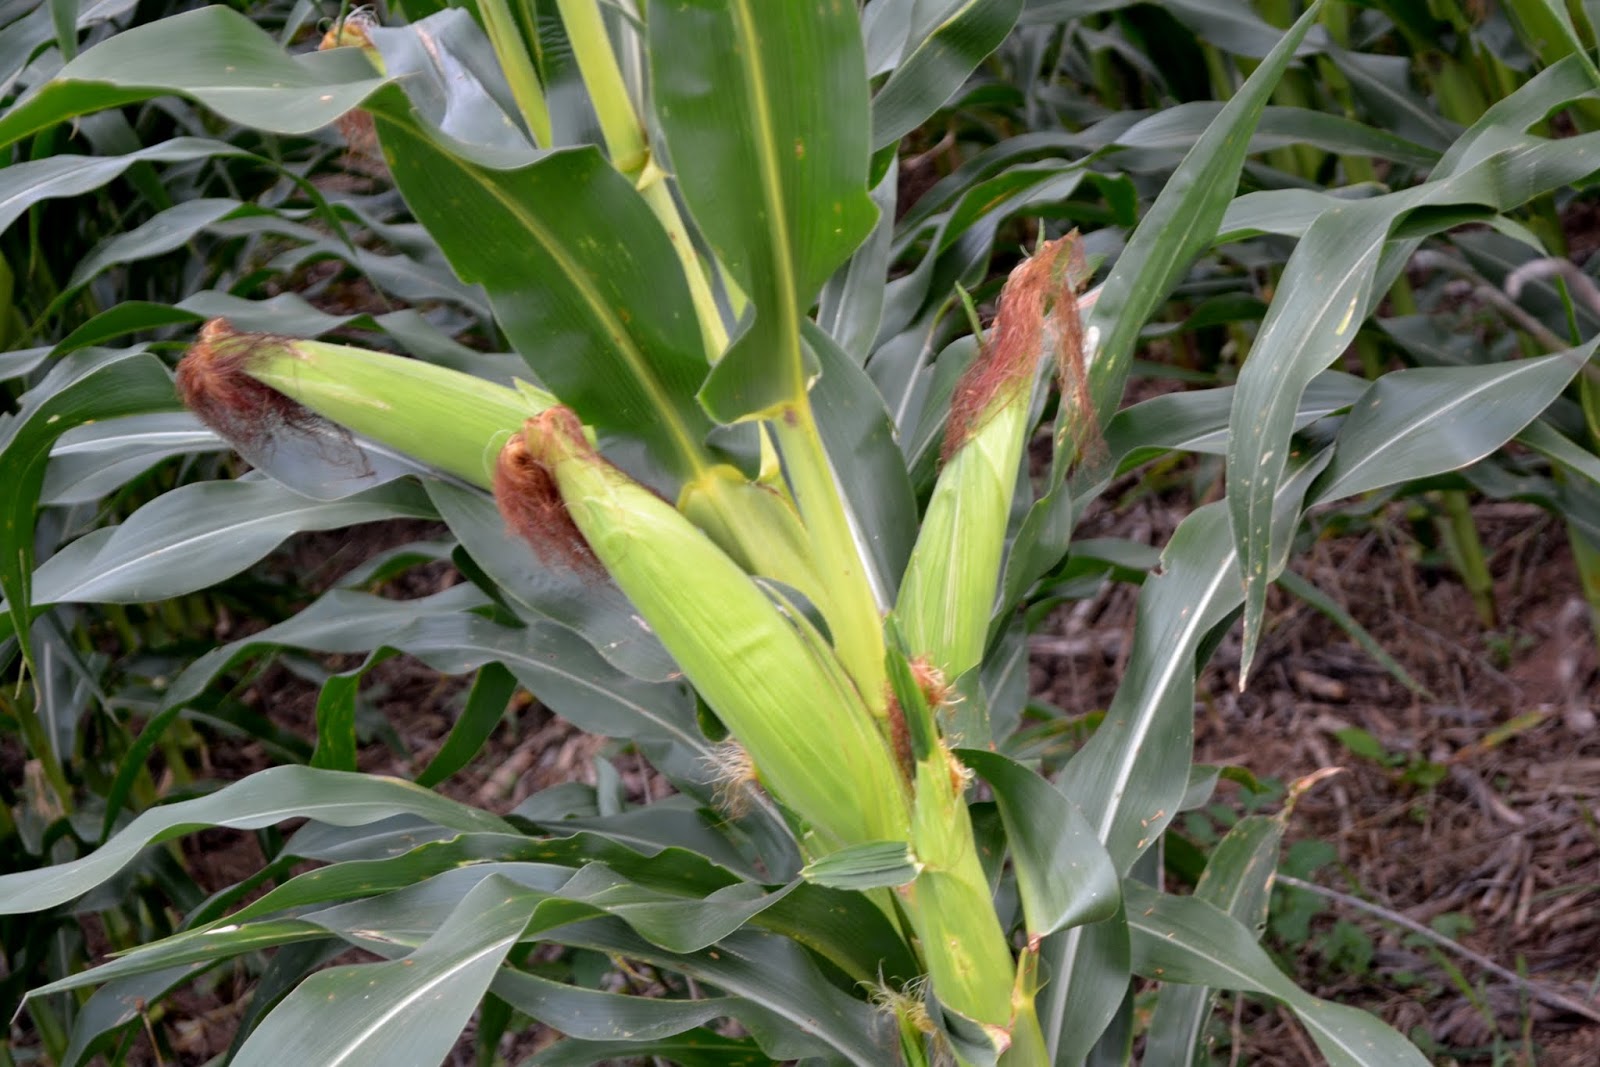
[(1038, 314), (214, 382), (530, 501), (356, 126)]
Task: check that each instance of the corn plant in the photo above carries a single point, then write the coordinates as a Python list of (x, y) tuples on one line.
[(752, 506)]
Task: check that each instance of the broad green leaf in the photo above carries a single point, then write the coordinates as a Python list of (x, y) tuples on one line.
[(1238, 880), (1198, 421), (199, 534), (938, 65), (764, 110), (165, 231), (1322, 299), (117, 1005), (1182, 221), (1417, 423), (592, 1015), (263, 799), (1131, 777), (190, 949), (399, 1012), (769, 971), (289, 314), (89, 385), (288, 966), (1075, 1015), (1063, 873), (27, 183), (672, 920), (1541, 437), (1189, 940), (1178, 128), (581, 275), (223, 60), (848, 929), (97, 458)]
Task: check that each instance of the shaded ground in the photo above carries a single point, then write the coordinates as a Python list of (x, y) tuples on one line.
[(1472, 810)]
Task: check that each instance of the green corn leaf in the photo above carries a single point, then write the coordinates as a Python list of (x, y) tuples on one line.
[(216, 529), (1413, 424), (406, 1011), (934, 68), (486, 705), (27, 183), (225, 61), (260, 800), (89, 385), (1238, 880), (94, 459), (1189, 940), (1324, 296), (567, 248), (765, 115), (1064, 876), (1182, 221)]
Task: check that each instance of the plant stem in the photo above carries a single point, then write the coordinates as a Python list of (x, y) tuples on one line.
[(597, 63), (512, 52), (1466, 552), (630, 153)]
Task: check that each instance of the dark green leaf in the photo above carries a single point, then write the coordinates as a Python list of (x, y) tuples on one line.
[(1064, 876), (936, 67), (263, 799), (764, 108), (486, 706)]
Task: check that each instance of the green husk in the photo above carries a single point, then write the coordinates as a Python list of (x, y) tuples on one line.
[(239, 384), (759, 664)]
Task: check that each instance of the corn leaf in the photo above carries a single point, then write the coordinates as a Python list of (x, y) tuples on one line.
[(764, 109), (1189, 940)]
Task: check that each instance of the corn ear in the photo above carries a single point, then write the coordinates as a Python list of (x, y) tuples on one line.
[(251, 387), (951, 907), (762, 667), (948, 591), (757, 527)]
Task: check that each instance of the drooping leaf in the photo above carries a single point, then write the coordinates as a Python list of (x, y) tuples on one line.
[(263, 799), (1189, 940), (407, 1011), (92, 384), (1323, 298), (1064, 876), (225, 61), (199, 534), (1417, 423), (764, 109)]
